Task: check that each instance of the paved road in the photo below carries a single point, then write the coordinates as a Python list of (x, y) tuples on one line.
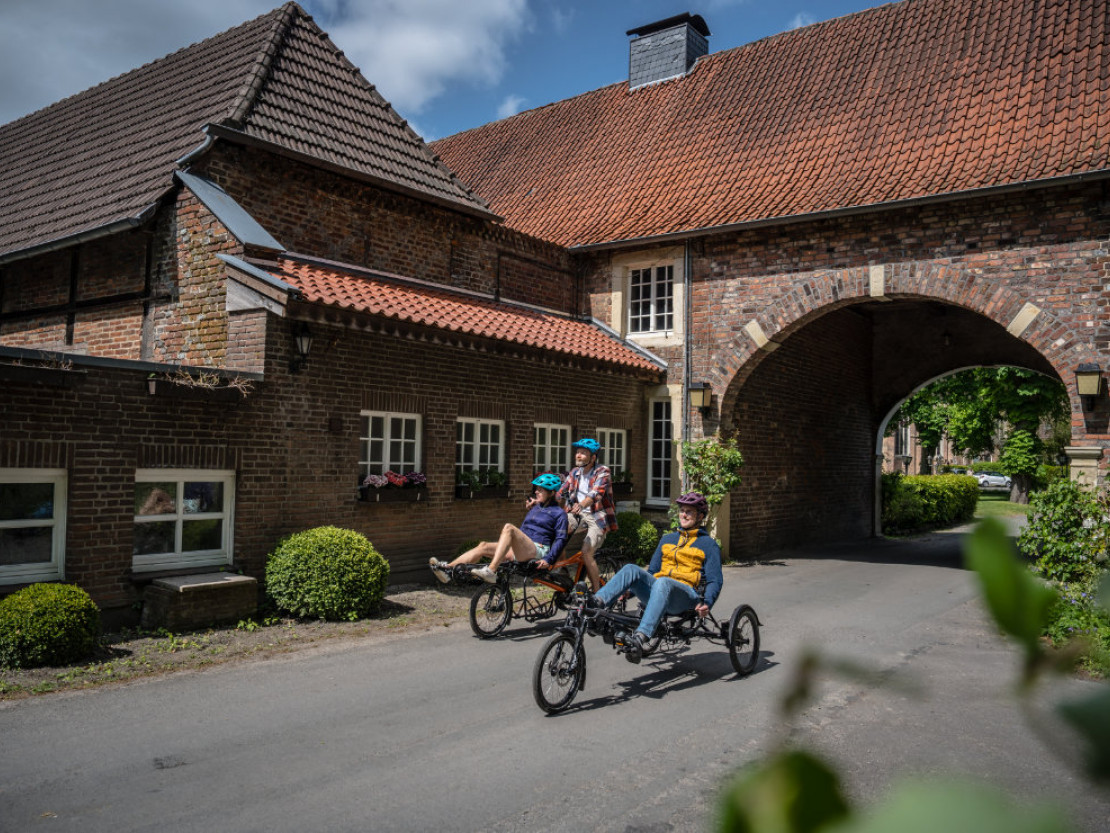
[(438, 731)]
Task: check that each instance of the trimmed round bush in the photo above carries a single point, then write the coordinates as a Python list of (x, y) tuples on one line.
[(47, 624), (634, 540), (326, 573)]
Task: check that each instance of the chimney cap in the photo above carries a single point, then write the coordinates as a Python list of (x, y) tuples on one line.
[(694, 20)]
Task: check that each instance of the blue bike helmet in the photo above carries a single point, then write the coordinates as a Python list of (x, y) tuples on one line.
[(592, 446), (548, 481)]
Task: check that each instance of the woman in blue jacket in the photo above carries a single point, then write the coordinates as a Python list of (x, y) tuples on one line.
[(541, 536)]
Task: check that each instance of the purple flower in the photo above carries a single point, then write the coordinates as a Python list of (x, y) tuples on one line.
[(415, 478)]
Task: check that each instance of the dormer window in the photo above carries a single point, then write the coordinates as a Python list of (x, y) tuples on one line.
[(651, 299)]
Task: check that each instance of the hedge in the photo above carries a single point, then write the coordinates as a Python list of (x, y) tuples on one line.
[(47, 624), (917, 502)]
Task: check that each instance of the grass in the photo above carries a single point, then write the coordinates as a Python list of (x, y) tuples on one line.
[(996, 505)]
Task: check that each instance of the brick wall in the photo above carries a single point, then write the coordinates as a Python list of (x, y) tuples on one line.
[(971, 263), (294, 445), (323, 214)]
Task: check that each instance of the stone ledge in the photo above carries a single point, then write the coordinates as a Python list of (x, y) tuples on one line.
[(194, 601)]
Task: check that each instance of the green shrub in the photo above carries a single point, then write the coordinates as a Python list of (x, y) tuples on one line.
[(634, 540), (47, 624), (467, 545), (326, 573), (916, 502), (1067, 532)]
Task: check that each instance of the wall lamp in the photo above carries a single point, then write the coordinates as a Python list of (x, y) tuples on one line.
[(302, 344), (1088, 383), (700, 396)]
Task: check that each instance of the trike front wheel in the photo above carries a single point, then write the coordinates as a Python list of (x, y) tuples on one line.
[(743, 640), (558, 673), (491, 608)]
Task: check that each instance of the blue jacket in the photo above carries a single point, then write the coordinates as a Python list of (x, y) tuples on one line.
[(547, 525), (689, 556)]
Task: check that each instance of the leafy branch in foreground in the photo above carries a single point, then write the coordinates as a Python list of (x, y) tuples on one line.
[(794, 791)]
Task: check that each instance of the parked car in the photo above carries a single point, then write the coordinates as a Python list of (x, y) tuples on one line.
[(992, 480)]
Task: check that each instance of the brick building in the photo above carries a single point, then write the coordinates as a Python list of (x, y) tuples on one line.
[(164, 263), (806, 229)]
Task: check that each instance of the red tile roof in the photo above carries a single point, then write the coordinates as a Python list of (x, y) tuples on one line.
[(108, 154), (908, 100), (466, 313)]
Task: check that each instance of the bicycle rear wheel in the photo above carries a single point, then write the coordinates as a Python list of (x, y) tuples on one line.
[(491, 608), (743, 640), (558, 673), (607, 565)]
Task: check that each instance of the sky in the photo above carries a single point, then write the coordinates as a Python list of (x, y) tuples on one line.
[(445, 65)]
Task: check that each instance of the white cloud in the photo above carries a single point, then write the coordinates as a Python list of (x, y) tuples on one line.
[(412, 49), (511, 105), (801, 19), (51, 49)]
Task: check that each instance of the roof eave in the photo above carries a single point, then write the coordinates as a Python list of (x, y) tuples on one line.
[(95, 233), (837, 213), (230, 134)]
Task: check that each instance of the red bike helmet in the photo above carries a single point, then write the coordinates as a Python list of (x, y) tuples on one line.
[(695, 499)]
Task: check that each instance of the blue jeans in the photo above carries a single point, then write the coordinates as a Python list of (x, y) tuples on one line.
[(659, 596)]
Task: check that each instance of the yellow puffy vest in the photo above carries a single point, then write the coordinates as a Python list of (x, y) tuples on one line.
[(683, 560)]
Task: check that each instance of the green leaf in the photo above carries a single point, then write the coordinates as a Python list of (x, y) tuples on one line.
[(1103, 597), (957, 807), (1017, 600), (794, 792), (1090, 717)]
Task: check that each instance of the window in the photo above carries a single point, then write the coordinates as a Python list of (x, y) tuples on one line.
[(660, 452), (183, 518), (902, 440), (32, 525), (551, 449), (479, 445), (389, 442), (613, 443), (651, 299)]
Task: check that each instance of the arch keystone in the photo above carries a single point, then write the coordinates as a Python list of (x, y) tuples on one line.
[(759, 337), (1023, 319)]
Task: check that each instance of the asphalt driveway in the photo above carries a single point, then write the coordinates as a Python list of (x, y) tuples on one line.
[(438, 730)]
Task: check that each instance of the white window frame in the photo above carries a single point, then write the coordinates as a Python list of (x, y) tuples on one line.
[(477, 445), (657, 311), (623, 265), (614, 455), (177, 559), (53, 570), (553, 453), (388, 462), (659, 488)]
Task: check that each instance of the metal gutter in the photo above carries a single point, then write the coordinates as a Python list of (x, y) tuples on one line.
[(631, 345), (837, 213), (79, 359), (114, 227)]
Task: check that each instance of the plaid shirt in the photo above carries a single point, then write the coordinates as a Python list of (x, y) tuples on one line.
[(600, 487)]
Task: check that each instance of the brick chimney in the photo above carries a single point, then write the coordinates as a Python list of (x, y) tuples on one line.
[(666, 49)]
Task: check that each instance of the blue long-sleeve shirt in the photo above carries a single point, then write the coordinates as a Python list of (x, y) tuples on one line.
[(547, 525)]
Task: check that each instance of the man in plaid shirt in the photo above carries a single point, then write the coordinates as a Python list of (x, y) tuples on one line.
[(587, 495)]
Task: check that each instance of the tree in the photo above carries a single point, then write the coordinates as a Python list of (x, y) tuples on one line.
[(969, 406), (712, 467)]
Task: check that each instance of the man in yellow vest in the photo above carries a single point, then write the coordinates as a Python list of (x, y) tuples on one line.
[(670, 583)]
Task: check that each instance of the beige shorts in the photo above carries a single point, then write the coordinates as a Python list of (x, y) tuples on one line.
[(584, 530)]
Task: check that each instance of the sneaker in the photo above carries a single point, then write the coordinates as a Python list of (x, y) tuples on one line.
[(634, 647), (440, 569), (485, 574)]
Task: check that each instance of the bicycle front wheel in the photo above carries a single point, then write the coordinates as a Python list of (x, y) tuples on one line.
[(607, 565), (743, 640), (558, 673), (491, 608)]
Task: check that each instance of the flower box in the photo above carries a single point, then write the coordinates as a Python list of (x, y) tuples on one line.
[(622, 488), (391, 494)]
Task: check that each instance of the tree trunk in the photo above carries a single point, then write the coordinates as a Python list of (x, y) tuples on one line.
[(1020, 486)]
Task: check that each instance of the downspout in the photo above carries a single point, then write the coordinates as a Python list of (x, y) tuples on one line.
[(687, 344)]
